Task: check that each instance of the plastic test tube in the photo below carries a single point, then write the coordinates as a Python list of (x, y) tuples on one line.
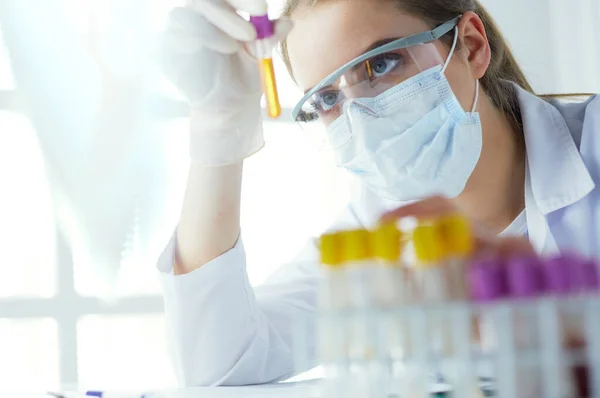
[(333, 301), (428, 325), (572, 280), (487, 283), (557, 382), (264, 30), (578, 278), (388, 291), (585, 285), (457, 238), (589, 288), (586, 280), (525, 285), (387, 285), (430, 283), (458, 241), (359, 266)]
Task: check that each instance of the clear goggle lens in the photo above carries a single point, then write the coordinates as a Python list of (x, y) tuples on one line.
[(367, 79)]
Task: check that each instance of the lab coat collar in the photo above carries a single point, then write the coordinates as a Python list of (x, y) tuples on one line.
[(558, 175)]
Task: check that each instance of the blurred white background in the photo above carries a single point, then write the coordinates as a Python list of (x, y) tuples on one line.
[(52, 332)]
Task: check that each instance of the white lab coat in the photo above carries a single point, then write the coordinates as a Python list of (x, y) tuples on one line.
[(225, 332)]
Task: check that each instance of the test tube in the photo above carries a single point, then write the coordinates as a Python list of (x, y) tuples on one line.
[(388, 290), (430, 285), (458, 242), (525, 285), (570, 279), (554, 315), (592, 324), (488, 286), (457, 239), (265, 29), (587, 286), (387, 285), (356, 249), (430, 290), (331, 325)]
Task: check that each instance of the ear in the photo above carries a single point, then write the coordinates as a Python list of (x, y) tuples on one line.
[(475, 45)]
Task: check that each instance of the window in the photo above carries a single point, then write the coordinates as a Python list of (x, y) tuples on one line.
[(116, 345), (26, 213), (28, 349)]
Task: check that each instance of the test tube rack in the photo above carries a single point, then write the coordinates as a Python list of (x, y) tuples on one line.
[(418, 368), (528, 328)]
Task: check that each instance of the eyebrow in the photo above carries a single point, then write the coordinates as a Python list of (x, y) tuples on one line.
[(373, 46)]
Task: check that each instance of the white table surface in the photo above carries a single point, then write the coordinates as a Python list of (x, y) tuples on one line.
[(304, 389), (282, 390)]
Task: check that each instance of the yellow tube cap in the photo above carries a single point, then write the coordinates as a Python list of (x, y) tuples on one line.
[(386, 242), (428, 246), (356, 245), (457, 235), (331, 249)]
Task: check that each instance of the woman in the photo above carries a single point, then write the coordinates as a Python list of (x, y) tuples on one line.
[(445, 111)]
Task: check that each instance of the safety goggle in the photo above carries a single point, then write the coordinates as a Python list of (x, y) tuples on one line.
[(371, 74)]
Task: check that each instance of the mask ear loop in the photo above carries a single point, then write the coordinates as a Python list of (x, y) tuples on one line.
[(476, 96), (451, 53)]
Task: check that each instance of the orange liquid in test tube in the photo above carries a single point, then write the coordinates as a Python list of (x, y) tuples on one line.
[(265, 29), (267, 75)]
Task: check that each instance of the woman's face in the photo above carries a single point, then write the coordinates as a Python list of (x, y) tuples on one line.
[(331, 34)]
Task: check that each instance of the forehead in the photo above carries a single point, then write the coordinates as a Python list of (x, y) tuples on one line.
[(333, 33)]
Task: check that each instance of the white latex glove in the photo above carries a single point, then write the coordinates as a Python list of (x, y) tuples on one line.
[(206, 56)]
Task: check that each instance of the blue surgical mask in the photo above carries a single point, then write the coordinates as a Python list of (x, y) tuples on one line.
[(412, 141)]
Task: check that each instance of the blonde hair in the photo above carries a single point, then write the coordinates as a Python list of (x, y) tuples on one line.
[(503, 65)]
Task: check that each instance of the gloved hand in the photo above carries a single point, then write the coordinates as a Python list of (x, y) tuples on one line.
[(207, 55)]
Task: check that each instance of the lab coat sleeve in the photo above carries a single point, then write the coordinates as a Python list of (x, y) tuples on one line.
[(225, 332)]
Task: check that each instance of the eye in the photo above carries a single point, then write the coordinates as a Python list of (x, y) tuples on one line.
[(382, 64), (327, 100)]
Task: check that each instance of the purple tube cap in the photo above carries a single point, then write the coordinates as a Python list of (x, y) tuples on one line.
[(558, 272), (487, 280), (265, 28), (583, 274), (591, 276), (524, 277)]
